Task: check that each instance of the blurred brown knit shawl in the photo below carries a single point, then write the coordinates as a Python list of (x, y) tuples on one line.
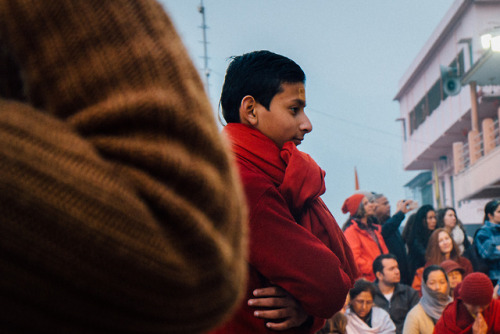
[(119, 207)]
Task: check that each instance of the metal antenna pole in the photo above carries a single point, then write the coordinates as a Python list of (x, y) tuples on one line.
[(206, 70)]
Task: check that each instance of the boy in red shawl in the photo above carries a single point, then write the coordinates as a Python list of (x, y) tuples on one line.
[(474, 309), (300, 265)]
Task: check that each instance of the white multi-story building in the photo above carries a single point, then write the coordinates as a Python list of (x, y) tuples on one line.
[(450, 130)]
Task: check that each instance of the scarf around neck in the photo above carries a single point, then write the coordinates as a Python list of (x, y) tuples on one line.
[(300, 181), (380, 324), (434, 302)]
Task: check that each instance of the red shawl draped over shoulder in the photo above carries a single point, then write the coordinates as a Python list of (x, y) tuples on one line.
[(300, 182), (457, 320)]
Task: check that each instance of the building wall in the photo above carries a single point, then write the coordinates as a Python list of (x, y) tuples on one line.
[(442, 49)]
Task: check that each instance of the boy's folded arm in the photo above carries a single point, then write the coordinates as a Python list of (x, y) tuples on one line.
[(290, 256)]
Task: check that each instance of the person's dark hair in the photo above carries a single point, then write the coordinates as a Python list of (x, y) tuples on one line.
[(361, 211), (378, 266), (419, 229), (430, 269), (335, 325), (490, 208), (362, 285), (407, 228), (433, 253), (440, 217), (258, 74), (421, 216)]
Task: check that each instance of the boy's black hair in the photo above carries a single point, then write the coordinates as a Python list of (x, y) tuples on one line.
[(259, 74)]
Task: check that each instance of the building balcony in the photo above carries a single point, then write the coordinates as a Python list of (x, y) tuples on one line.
[(477, 163), (450, 123)]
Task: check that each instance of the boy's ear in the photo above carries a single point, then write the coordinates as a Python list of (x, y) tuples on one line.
[(248, 115)]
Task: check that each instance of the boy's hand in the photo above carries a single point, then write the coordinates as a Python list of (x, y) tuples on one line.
[(281, 309)]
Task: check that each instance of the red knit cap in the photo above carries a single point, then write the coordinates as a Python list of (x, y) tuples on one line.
[(351, 204), (450, 265), (476, 289)]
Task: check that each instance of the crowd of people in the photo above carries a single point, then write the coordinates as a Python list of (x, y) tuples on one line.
[(444, 292), (125, 210)]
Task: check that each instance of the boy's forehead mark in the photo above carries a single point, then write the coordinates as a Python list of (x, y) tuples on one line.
[(302, 93)]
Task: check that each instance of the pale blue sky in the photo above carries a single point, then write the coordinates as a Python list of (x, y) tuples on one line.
[(353, 53)]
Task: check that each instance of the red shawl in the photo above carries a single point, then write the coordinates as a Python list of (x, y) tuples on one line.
[(300, 181), (456, 318)]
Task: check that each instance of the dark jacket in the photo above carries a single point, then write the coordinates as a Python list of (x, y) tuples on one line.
[(418, 239), (402, 301), (396, 244)]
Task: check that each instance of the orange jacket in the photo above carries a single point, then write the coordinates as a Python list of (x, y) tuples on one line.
[(364, 248)]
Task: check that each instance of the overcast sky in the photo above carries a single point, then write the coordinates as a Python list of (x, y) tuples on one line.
[(353, 53)]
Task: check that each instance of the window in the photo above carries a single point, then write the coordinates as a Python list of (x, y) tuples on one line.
[(434, 96), (432, 99), (459, 64), (421, 111), (413, 125)]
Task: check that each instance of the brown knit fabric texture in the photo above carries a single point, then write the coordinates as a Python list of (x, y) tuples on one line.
[(120, 207)]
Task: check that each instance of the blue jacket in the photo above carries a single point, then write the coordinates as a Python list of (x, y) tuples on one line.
[(487, 240)]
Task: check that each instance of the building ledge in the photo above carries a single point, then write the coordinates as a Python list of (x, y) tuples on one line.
[(480, 180), (485, 70)]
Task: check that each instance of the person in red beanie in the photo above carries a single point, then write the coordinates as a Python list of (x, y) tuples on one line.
[(455, 273), (474, 309), (364, 237)]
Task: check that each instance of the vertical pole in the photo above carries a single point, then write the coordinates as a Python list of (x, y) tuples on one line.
[(204, 27), (474, 146), (488, 126), (458, 157), (473, 107)]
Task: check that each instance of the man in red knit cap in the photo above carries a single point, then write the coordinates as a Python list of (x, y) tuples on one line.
[(300, 265), (474, 309)]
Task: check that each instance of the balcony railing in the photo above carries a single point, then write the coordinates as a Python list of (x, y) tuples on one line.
[(479, 145)]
